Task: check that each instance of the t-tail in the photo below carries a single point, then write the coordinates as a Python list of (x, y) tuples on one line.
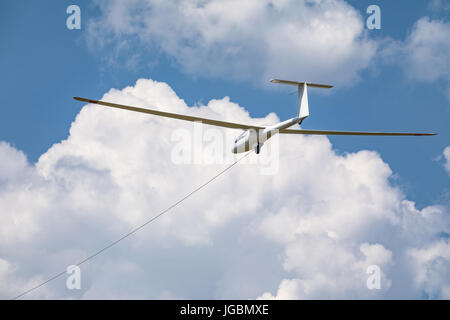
[(303, 108)]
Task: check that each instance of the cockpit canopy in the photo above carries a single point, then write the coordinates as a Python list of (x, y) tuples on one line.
[(242, 135)]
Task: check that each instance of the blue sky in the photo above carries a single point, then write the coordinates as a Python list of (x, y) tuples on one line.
[(377, 88), (45, 65)]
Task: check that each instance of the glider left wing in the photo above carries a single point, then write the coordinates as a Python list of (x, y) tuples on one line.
[(172, 115)]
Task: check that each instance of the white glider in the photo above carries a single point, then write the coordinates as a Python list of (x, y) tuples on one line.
[(254, 136)]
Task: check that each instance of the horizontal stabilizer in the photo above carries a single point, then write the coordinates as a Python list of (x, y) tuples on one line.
[(297, 83)]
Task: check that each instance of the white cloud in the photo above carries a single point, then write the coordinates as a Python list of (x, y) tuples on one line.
[(433, 264), (447, 159), (310, 231), (439, 5), (344, 276), (313, 40), (425, 53), (317, 40), (429, 50)]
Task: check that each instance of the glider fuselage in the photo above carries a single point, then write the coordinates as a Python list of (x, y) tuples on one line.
[(254, 138)]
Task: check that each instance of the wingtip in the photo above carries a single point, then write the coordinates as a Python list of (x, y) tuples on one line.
[(85, 100)]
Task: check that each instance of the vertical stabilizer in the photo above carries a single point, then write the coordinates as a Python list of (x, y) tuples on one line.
[(303, 108)]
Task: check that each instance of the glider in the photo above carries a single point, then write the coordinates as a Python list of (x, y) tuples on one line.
[(254, 136)]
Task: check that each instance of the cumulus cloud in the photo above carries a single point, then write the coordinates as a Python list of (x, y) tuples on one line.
[(433, 264), (425, 53), (429, 50), (309, 231), (447, 159), (439, 5), (314, 40)]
